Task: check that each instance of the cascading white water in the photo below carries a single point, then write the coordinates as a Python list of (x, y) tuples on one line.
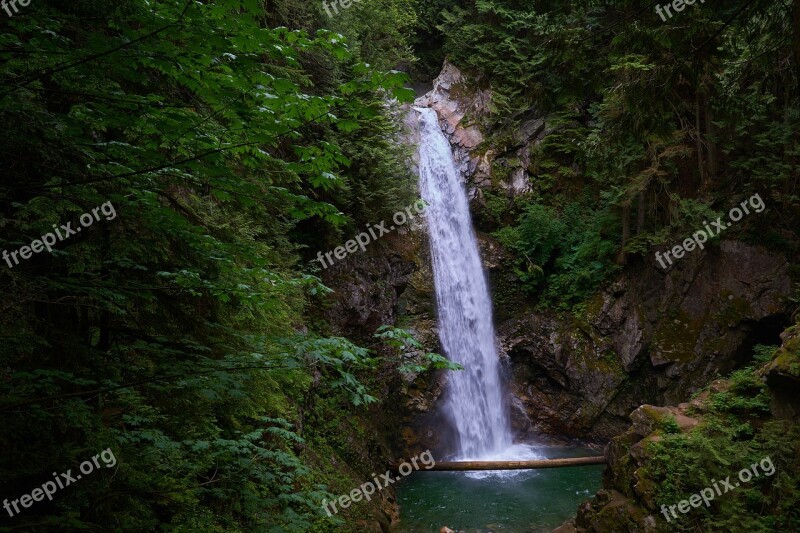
[(474, 396)]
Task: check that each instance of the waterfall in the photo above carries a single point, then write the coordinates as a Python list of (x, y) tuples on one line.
[(474, 398)]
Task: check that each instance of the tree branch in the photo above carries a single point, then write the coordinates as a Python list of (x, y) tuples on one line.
[(87, 59)]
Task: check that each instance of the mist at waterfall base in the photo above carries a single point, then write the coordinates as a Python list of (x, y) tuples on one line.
[(474, 399), (506, 500)]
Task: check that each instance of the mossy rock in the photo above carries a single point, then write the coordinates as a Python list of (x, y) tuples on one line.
[(617, 513), (675, 340)]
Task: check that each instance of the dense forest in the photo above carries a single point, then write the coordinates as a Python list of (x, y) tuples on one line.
[(173, 169)]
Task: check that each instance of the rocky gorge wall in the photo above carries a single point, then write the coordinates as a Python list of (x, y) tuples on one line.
[(763, 406), (648, 337), (651, 336)]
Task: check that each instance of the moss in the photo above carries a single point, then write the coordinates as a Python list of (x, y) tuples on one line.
[(502, 169), (787, 358), (341, 441), (621, 515), (623, 466), (675, 339), (735, 310), (789, 364), (594, 306), (583, 336), (735, 433), (644, 486), (658, 416)]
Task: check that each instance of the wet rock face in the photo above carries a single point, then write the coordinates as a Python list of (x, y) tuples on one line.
[(652, 337), (462, 106), (367, 285), (374, 288), (459, 107), (393, 278)]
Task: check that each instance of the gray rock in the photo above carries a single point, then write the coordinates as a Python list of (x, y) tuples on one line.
[(581, 376)]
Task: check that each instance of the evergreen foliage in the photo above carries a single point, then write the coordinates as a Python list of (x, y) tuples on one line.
[(736, 432), (174, 332), (667, 124)]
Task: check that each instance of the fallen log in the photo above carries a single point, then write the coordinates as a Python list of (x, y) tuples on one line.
[(519, 465)]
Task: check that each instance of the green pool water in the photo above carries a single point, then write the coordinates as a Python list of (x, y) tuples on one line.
[(527, 501)]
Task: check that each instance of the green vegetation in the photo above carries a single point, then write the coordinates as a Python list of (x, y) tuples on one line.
[(736, 431), (653, 127), (670, 426), (566, 253), (230, 139)]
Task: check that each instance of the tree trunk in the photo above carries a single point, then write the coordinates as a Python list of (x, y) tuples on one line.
[(796, 24), (699, 136), (711, 145), (626, 233), (519, 465), (640, 213)]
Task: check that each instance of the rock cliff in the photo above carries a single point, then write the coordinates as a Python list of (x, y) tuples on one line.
[(649, 337), (754, 413)]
